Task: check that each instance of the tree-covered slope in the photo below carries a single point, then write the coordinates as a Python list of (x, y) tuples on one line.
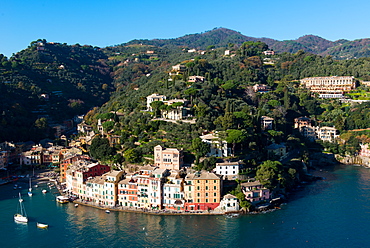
[(51, 81)]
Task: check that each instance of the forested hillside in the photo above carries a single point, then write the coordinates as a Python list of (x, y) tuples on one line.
[(47, 83)]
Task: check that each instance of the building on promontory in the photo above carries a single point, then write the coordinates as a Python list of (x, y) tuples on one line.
[(329, 87)]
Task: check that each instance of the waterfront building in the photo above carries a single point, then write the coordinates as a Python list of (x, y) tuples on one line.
[(255, 192), (329, 87), (79, 172), (94, 190), (111, 187), (207, 190), (168, 158), (189, 191), (143, 192), (173, 191), (128, 192), (229, 203), (157, 179)]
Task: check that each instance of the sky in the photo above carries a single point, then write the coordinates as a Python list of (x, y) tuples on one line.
[(111, 22)]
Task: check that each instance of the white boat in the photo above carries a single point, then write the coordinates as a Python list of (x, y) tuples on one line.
[(41, 225), (36, 186), (44, 191), (30, 188), (29, 193), (107, 211), (76, 205), (62, 199), (21, 216)]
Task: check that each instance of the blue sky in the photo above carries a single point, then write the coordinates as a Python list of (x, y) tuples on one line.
[(110, 22)]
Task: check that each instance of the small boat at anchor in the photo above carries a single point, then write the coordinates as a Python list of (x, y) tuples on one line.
[(44, 191), (41, 225), (107, 211), (76, 205)]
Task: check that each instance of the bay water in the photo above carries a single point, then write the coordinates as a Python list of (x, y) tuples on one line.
[(334, 212)]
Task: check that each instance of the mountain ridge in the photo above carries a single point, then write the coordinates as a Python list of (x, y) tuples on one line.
[(222, 37)]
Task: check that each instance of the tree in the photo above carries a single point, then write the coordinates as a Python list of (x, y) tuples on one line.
[(268, 173), (235, 136), (100, 148), (200, 149), (156, 105)]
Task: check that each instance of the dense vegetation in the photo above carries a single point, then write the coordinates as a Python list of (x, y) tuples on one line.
[(48, 83), (77, 78)]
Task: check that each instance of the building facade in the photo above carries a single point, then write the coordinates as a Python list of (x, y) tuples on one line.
[(329, 87), (168, 158)]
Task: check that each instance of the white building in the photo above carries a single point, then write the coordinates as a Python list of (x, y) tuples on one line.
[(229, 203), (152, 98), (218, 147), (173, 191), (229, 169)]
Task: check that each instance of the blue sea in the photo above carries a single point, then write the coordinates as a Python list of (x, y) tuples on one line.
[(334, 212)]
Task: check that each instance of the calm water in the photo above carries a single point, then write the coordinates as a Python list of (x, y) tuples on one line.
[(330, 213)]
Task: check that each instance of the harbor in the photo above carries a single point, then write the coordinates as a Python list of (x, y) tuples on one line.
[(315, 216)]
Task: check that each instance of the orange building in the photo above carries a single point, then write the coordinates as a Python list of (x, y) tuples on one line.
[(207, 190)]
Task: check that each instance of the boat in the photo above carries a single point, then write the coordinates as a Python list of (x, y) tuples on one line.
[(36, 186), (44, 191), (62, 199), (29, 193), (76, 205), (21, 216), (30, 188), (41, 225), (107, 211)]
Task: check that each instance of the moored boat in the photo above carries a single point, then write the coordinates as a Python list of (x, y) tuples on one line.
[(62, 199), (21, 216), (44, 191), (41, 225)]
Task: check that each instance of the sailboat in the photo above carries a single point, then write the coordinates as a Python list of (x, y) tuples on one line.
[(21, 216), (30, 189)]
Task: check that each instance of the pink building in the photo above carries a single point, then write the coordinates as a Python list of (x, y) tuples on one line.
[(168, 158), (255, 192)]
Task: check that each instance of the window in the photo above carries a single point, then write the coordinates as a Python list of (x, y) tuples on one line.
[(215, 194), (214, 187), (198, 194), (206, 200), (206, 187), (206, 194)]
